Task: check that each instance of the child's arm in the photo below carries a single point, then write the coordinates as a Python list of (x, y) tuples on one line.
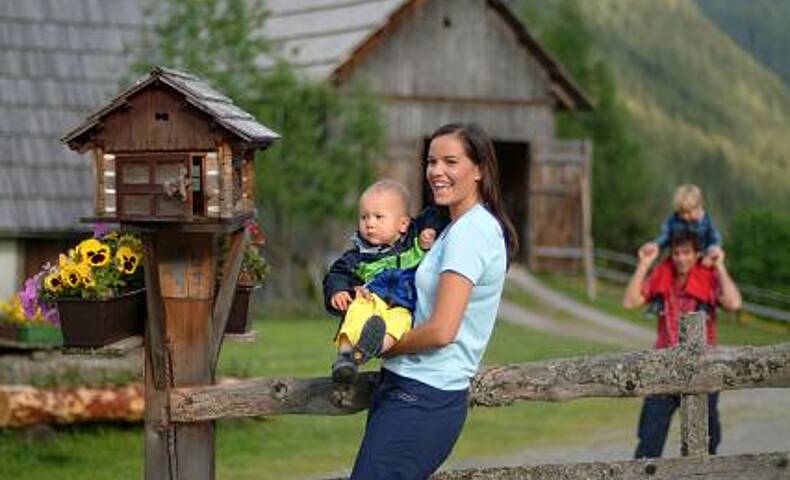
[(662, 240), (712, 233), (341, 280), (432, 217), (429, 224)]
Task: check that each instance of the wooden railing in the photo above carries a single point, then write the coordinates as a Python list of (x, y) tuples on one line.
[(691, 370)]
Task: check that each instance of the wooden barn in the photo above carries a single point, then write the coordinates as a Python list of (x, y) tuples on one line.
[(431, 62)]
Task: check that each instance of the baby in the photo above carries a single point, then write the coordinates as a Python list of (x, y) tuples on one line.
[(372, 283)]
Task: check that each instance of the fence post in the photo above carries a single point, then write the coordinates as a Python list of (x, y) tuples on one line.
[(693, 408)]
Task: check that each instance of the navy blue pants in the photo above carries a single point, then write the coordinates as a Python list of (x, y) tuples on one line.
[(411, 429), (654, 424)]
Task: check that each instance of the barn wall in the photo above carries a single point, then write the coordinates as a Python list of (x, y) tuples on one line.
[(421, 56)]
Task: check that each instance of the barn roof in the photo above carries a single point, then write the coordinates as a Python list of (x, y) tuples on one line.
[(60, 59), (197, 93)]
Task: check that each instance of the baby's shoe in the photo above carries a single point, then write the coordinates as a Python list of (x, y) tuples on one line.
[(344, 370), (370, 340)]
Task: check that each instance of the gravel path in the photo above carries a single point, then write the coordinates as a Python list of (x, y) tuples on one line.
[(607, 325)]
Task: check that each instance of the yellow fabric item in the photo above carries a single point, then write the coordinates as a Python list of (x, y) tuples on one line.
[(397, 319)]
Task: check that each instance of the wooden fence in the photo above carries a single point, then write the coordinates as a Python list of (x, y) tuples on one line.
[(691, 370)]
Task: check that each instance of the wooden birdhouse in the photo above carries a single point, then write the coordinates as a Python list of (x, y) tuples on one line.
[(172, 149)]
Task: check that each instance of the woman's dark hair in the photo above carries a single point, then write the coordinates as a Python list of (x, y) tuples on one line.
[(479, 148)]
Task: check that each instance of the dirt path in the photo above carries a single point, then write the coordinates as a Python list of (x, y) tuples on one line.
[(593, 323)]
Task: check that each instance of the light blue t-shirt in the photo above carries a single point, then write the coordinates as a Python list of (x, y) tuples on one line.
[(474, 247)]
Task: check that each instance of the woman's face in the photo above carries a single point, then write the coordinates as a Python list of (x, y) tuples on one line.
[(452, 175)]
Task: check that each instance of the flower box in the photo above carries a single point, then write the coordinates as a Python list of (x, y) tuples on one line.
[(96, 323), (39, 334), (239, 317)]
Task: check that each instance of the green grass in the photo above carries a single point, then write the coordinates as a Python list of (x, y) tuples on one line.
[(298, 446)]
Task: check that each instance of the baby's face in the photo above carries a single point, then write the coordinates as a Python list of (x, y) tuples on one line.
[(382, 217), (694, 215)]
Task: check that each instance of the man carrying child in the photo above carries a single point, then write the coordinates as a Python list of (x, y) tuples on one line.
[(684, 285)]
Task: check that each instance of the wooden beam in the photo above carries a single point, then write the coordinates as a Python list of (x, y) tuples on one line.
[(270, 396), (763, 466), (154, 327), (693, 408), (630, 374), (230, 276), (585, 188)]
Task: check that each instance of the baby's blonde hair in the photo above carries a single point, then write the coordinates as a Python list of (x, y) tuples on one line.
[(687, 197), (392, 186)]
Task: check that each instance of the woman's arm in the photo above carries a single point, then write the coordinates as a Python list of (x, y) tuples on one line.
[(452, 297)]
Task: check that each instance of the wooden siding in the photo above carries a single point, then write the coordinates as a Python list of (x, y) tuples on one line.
[(455, 49), (156, 119)]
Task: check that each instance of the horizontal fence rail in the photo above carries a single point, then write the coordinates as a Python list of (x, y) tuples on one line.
[(675, 370)]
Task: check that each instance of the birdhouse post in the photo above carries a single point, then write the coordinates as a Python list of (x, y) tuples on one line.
[(174, 161)]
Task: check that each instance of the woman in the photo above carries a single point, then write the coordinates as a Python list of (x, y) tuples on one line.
[(420, 403)]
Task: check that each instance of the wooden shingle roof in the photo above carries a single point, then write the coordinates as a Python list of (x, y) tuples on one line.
[(61, 59), (197, 93)]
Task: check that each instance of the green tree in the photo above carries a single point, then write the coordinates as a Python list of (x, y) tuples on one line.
[(757, 251), (310, 178), (625, 211)]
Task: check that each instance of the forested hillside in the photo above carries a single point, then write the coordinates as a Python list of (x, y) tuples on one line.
[(758, 26), (701, 107)]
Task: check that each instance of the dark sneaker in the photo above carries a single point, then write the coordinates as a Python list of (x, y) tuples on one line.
[(370, 340), (344, 370)]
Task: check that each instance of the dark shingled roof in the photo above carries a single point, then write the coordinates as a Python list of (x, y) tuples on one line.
[(61, 59), (198, 94)]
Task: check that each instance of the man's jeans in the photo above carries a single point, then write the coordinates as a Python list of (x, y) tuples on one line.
[(654, 424)]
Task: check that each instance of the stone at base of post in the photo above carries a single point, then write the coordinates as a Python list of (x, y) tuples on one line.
[(693, 408)]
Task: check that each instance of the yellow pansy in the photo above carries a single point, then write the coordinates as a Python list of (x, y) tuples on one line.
[(71, 276), (53, 282), (64, 261), (127, 260), (95, 253)]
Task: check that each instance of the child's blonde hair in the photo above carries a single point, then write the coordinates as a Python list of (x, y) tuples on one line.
[(687, 197), (392, 186)]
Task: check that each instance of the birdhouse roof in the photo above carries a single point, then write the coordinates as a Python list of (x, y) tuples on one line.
[(197, 93)]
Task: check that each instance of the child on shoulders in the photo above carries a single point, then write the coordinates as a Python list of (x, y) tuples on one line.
[(689, 215)]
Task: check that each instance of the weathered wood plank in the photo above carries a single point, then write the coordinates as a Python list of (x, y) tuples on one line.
[(268, 396), (630, 374), (154, 328), (693, 408), (230, 274), (763, 466)]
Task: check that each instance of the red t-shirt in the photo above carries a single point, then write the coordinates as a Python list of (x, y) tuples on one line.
[(700, 286)]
